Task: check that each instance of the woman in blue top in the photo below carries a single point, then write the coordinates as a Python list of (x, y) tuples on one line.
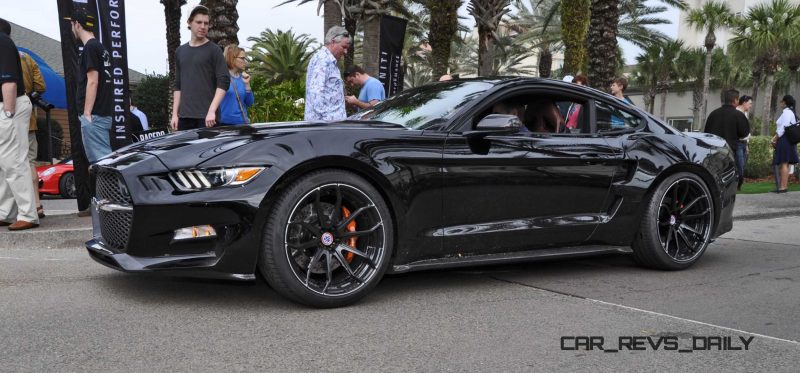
[(233, 109)]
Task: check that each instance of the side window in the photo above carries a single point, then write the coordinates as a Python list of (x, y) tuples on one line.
[(542, 113), (611, 118)]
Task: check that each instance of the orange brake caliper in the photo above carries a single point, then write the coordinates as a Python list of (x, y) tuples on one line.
[(350, 228)]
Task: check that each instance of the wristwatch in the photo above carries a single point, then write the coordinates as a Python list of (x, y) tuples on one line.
[(8, 114)]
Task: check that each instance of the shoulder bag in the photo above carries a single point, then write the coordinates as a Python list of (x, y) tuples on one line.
[(792, 133), (239, 101)]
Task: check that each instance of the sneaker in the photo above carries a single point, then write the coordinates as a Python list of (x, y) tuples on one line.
[(84, 213)]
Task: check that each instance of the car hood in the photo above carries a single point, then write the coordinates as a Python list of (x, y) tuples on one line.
[(190, 148)]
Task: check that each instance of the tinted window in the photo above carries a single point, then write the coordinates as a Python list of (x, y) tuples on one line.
[(426, 106), (611, 118)]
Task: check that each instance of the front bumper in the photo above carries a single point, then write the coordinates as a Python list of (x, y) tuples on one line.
[(188, 265)]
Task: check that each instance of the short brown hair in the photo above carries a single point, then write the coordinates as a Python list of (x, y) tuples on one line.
[(200, 9), (231, 52), (581, 79), (352, 70), (621, 81)]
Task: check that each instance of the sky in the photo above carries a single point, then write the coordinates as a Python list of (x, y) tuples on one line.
[(146, 31)]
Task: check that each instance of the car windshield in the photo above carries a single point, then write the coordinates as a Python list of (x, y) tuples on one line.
[(425, 106)]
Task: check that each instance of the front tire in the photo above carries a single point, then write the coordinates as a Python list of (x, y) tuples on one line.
[(677, 224), (66, 185), (327, 240)]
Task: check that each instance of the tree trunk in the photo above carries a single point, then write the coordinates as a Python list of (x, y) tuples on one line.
[(663, 113), (706, 83), (351, 25), (372, 45), (485, 52), (603, 51), (332, 16), (443, 28), (545, 62), (574, 32), (794, 81), (172, 16), (223, 29), (697, 103), (767, 106), (756, 88)]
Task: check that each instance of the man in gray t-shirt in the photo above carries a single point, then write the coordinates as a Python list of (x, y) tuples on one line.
[(201, 79)]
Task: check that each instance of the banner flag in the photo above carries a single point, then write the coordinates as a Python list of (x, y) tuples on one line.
[(390, 66), (110, 31)]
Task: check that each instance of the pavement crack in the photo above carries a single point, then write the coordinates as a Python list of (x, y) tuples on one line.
[(535, 287)]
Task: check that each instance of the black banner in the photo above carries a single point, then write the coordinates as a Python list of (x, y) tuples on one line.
[(110, 31), (390, 66)]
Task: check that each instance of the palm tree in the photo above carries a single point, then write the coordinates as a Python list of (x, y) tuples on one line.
[(574, 34), (636, 19), (172, 16), (509, 59), (645, 75), (602, 39), (488, 14), (711, 17), (666, 70), (222, 16), (539, 26), (281, 55), (333, 10), (443, 28), (769, 31), (603, 43)]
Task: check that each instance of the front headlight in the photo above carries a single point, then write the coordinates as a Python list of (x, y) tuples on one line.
[(47, 172), (213, 178)]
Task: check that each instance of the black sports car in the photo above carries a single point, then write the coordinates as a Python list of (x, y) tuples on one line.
[(459, 173)]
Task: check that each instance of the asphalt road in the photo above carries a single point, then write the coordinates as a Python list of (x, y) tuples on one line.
[(63, 312)]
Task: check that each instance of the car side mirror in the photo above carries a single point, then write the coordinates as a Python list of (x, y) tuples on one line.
[(496, 124)]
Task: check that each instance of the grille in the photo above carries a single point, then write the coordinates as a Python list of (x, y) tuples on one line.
[(115, 226), (111, 187)]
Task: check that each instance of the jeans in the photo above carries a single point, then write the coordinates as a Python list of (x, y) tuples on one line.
[(741, 160), (96, 138)]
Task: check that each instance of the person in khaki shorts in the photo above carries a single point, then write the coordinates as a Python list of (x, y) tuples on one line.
[(16, 189), (34, 82)]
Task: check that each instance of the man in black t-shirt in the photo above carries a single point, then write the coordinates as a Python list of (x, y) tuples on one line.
[(16, 190), (202, 77), (94, 89)]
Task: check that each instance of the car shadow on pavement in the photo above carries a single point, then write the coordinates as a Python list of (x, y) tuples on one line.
[(155, 288)]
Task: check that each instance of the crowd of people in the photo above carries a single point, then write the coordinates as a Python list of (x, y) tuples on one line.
[(732, 124)]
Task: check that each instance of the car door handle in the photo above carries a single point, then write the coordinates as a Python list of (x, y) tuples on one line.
[(590, 156)]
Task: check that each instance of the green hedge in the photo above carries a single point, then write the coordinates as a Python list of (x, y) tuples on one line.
[(277, 102), (759, 162)]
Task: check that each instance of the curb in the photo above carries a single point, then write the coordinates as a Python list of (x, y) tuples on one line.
[(45, 239)]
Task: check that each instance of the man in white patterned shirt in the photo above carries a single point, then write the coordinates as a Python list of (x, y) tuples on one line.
[(324, 85)]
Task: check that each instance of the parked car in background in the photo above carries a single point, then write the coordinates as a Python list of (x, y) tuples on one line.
[(57, 179)]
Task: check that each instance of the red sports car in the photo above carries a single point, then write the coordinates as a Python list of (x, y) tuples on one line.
[(57, 179)]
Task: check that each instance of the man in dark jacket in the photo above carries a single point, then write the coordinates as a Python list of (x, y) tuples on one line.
[(729, 123)]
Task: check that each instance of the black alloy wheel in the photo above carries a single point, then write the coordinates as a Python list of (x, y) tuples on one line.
[(677, 225), (328, 241)]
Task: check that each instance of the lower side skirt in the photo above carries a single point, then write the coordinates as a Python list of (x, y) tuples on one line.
[(506, 258)]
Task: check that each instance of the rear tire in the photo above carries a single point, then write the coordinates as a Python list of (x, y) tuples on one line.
[(677, 224), (327, 240)]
